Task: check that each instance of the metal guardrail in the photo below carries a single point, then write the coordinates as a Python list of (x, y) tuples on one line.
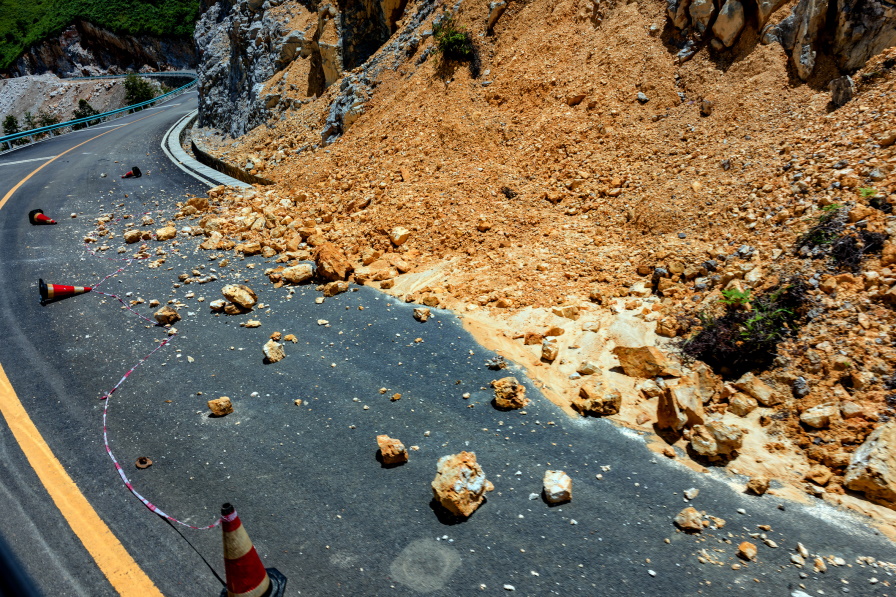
[(8, 140)]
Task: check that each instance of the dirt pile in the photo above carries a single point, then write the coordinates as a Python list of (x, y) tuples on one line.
[(591, 191)]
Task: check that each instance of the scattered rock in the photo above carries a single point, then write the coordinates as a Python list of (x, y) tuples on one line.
[(297, 274), (510, 393), (819, 416), (758, 389), (217, 305), (273, 351), (692, 493), (741, 404), (167, 316), (332, 264), (679, 406), (250, 248), (399, 235), (587, 368), (240, 295), (597, 399), (391, 450), (758, 484), (747, 551), (819, 474), (422, 314), (872, 468), (166, 233), (460, 484), (716, 439), (843, 89), (220, 406), (644, 361), (689, 520), (334, 288), (557, 487), (550, 349), (132, 236)]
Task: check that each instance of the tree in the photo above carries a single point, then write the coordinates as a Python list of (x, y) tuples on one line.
[(29, 121), (137, 90), (44, 118), (84, 110), (10, 125)]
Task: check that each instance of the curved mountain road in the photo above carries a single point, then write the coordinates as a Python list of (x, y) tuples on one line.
[(305, 479)]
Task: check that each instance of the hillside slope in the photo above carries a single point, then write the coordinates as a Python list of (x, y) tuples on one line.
[(25, 23)]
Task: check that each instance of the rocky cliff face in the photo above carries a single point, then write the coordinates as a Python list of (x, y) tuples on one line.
[(251, 54), (84, 49), (849, 31)]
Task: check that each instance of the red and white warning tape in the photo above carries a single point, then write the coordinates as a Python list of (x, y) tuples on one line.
[(108, 395)]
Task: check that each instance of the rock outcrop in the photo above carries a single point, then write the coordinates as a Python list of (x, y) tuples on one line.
[(850, 31), (84, 49)]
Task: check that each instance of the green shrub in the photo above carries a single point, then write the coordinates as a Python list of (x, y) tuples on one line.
[(137, 90), (10, 125), (84, 110), (737, 340), (454, 42)]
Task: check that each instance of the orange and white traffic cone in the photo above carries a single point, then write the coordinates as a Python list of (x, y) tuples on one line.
[(55, 292), (246, 575), (37, 217)]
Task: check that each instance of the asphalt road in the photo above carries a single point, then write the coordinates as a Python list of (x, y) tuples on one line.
[(305, 480)]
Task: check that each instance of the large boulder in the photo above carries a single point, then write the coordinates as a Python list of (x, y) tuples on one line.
[(701, 12), (460, 484), (716, 439), (597, 399), (332, 264), (644, 361), (679, 405), (297, 274), (872, 468)]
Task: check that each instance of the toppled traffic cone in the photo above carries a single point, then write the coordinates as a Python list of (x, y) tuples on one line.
[(134, 172), (246, 575), (56, 292), (37, 217)]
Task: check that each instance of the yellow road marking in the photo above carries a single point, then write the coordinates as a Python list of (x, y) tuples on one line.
[(113, 560)]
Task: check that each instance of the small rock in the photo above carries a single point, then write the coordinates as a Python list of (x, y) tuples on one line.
[(819, 416), (706, 107), (399, 235), (842, 90), (297, 274), (691, 493), (167, 315), (741, 404), (166, 233), (557, 487), (391, 450), (550, 349), (587, 368), (644, 361), (689, 519), (597, 399), (716, 439), (240, 295), (642, 98), (746, 550), (132, 236), (758, 484), (422, 314), (220, 406), (510, 393), (217, 305), (273, 351), (460, 484), (334, 288)]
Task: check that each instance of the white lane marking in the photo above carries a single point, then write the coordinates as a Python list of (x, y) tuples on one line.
[(50, 157)]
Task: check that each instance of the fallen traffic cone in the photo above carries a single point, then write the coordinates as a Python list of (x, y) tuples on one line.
[(55, 292), (133, 173), (36, 217), (246, 575)]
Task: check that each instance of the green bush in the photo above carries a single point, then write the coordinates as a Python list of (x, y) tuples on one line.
[(137, 90), (84, 110), (26, 22), (10, 125), (455, 43)]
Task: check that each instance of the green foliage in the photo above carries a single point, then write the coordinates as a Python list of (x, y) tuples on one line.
[(453, 41), (84, 110), (10, 125), (26, 22), (736, 340), (735, 297), (137, 90), (867, 192), (29, 121), (830, 207)]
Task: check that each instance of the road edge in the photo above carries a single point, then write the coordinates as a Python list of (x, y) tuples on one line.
[(173, 150)]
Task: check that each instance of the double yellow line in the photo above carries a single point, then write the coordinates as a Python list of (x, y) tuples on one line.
[(113, 560)]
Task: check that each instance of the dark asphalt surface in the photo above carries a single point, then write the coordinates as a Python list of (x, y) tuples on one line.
[(305, 479)]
